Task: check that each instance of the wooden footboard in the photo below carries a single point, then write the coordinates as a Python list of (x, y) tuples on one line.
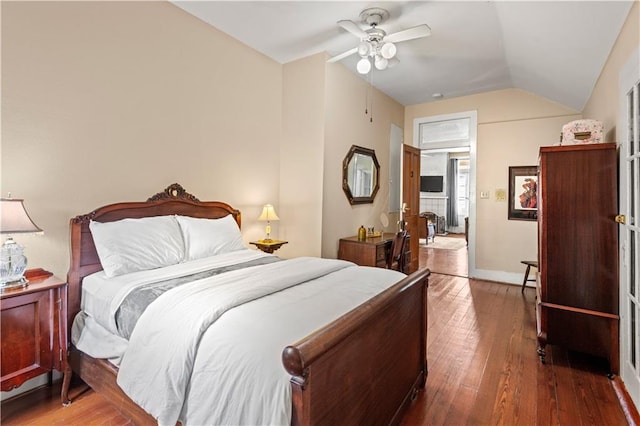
[(365, 367)]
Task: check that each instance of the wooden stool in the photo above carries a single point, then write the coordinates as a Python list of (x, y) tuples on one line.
[(529, 264)]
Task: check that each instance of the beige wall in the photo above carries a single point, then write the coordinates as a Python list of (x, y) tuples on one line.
[(512, 125), (105, 102), (346, 124), (302, 157), (603, 104)]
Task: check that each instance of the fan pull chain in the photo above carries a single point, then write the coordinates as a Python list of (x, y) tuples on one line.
[(366, 100)]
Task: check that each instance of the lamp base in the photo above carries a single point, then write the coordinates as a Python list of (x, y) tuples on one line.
[(22, 282)]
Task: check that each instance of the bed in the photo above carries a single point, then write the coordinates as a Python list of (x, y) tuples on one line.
[(363, 366)]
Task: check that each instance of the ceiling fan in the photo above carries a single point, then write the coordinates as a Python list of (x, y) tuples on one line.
[(374, 41)]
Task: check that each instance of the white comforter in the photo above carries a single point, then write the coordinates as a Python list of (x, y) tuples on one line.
[(209, 352)]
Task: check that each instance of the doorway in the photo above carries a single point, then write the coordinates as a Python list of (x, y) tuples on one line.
[(448, 170), (450, 200)]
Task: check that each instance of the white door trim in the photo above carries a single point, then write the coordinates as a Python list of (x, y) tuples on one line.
[(628, 78), (396, 139), (473, 149)]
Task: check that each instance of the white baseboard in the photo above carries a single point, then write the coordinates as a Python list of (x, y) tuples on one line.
[(501, 276)]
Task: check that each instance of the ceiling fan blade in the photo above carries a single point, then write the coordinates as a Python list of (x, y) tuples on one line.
[(342, 55), (353, 28), (409, 34)]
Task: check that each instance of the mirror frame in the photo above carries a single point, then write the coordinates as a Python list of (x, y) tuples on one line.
[(355, 149)]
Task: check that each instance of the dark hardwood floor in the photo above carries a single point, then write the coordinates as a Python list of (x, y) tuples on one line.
[(483, 367), (448, 262)]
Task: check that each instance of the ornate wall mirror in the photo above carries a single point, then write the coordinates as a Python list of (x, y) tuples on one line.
[(360, 175)]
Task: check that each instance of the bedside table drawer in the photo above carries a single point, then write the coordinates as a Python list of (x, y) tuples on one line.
[(33, 330), (26, 336)]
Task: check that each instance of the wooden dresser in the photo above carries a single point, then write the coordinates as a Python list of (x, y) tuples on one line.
[(370, 252), (577, 300)]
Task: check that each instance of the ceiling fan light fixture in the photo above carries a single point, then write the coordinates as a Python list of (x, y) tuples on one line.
[(364, 48), (364, 66), (375, 46), (381, 63), (388, 50)]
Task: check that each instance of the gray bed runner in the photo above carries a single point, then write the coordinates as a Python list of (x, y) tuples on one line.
[(137, 301)]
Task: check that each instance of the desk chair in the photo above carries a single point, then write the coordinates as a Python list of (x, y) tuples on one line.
[(396, 257)]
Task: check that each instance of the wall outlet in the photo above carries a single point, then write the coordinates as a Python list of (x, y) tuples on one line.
[(501, 195), (484, 194)]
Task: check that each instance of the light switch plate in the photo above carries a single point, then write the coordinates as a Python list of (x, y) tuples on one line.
[(484, 194)]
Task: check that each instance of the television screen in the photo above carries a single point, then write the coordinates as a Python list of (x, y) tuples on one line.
[(431, 183)]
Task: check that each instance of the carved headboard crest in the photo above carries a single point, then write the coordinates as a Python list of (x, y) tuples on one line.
[(84, 217), (173, 191)]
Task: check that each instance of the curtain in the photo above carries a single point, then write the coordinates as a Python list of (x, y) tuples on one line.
[(452, 193)]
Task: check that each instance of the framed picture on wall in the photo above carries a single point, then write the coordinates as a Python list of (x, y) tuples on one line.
[(523, 193)]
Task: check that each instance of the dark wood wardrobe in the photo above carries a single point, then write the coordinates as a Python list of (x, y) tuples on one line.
[(577, 288)]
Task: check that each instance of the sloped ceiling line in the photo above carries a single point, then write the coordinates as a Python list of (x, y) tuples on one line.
[(554, 49)]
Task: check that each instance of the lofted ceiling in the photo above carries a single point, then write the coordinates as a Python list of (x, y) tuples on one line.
[(555, 49)]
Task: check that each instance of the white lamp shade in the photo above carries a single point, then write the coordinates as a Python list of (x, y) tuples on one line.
[(381, 63), (268, 213), (364, 66), (364, 48), (388, 50), (14, 218)]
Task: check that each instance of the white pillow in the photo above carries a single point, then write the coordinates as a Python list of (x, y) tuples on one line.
[(131, 245), (208, 237)]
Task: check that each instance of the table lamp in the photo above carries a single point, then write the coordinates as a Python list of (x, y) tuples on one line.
[(14, 219), (268, 214)]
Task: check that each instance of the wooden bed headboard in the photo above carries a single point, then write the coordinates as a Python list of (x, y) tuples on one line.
[(84, 258)]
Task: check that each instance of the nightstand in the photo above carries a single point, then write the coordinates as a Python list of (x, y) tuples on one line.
[(33, 329), (269, 246)]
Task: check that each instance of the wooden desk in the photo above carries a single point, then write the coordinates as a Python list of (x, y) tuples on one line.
[(370, 252)]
